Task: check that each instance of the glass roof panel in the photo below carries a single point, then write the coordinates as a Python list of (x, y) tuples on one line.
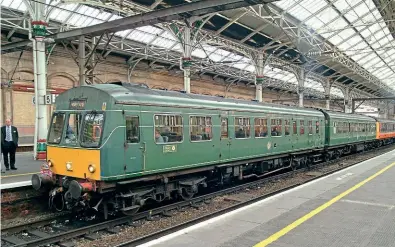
[(327, 15), (198, 53)]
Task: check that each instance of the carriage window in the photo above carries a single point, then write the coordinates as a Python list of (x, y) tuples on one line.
[(132, 129), (276, 127), (310, 127), (317, 127), (200, 128), (168, 128), (56, 129), (73, 128), (287, 127), (260, 127), (242, 127), (294, 128), (224, 127), (334, 127), (301, 127), (92, 129)]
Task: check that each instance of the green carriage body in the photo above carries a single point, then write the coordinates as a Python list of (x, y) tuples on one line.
[(121, 158), (342, 128)]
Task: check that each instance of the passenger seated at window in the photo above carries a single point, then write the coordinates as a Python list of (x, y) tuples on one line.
[(158, 137), (274, 131), (240, 134)]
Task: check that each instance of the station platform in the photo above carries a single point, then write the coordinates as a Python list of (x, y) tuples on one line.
[(26, 165), (353, 207)]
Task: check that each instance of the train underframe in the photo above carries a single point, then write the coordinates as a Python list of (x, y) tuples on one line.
[(129, 196)]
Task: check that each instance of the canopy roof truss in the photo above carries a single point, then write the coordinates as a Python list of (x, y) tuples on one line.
[(221, 53)]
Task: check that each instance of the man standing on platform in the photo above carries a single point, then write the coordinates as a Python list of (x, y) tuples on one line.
[(9, 143)]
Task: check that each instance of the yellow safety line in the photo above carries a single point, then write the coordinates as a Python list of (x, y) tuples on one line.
[(16, 175), (299, 221)]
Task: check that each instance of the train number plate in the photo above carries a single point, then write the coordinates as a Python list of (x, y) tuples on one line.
[(169, 148)]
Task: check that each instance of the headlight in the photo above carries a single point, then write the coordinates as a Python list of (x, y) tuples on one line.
[(69, 167), (91, 168)]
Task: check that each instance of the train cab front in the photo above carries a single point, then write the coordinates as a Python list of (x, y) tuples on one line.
[(72, 169)]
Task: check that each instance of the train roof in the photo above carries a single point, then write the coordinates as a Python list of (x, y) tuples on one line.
[(139, 94), (347, 116)]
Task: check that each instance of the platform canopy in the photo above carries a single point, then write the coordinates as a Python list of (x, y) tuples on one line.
[(349, 43)]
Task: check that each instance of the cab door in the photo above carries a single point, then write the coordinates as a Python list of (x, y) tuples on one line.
[(225, 140), (134, 154)]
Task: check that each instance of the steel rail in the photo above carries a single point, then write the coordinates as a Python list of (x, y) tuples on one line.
[(56, 238)]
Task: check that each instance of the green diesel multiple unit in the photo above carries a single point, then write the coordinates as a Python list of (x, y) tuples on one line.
[(138, 144)]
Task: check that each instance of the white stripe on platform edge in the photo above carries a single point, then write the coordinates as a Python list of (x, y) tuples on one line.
[(215, 219), (15, 185)]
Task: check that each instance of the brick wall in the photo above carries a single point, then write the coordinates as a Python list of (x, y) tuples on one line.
[(62, 73)]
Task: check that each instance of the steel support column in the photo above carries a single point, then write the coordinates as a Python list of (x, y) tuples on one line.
[(187, 59), (347, 100), (327, 89), (301, 80), (259, 62), (81, 60), (39, 32)]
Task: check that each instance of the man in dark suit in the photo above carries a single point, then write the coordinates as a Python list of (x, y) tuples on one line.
[(9, 143)]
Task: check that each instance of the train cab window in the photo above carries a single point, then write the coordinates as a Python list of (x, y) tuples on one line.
[(260, 127), (168, 128), (301, 127), (242, 128), (92, 129), (287, 127), (317, 127), (334, 127), (73, 128), (132, 129), (310, 127), (200, 128), (224, 128), (294, 128), (56, 129), (276, 125)]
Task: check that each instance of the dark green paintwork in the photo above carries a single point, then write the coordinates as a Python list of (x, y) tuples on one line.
[(334, 139), (147, 157)]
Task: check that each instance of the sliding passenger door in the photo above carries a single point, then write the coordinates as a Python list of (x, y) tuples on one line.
[(225, 140), (134, 148)]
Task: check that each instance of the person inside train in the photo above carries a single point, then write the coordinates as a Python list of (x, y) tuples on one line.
[(158, 137), (274, 131)]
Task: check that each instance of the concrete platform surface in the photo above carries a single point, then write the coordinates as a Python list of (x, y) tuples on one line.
[(353, 207), (21, 177)]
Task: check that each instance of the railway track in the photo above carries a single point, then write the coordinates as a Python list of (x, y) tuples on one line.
[(35, 234)]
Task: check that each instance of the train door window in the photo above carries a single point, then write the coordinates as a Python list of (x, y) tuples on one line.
[(73, 128), (294, 128), (349, 127), (132, 129), (317, 127), (224, 128), (301, 127), (276, 125), (200, 128), (310, 127), (287, 127), (260, 127), (168, 128), (242, 127), (334, 127)]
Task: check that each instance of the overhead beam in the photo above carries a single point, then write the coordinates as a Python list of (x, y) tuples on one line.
[(178, 12)]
